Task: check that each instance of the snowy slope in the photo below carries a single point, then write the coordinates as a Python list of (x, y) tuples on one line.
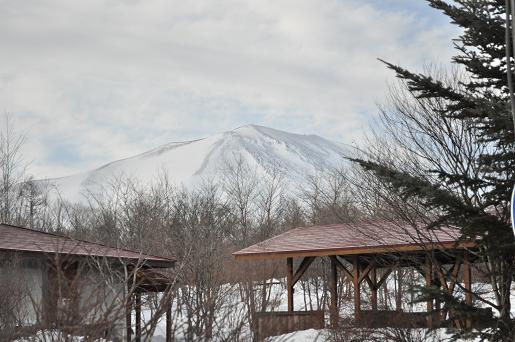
[(188, 163)]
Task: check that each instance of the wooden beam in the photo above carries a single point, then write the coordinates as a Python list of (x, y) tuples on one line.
[(367, 269), (398, 295), (429, 282), (454, 275), (369, 282), (448, 287), (357, 292), (346, 272), (467, 280), (289, 282), (373, 289), (334, 293), (128, 318), (304, 265), (438, 269), (169, 321), (440, 312), (384, 277), (138, 317)]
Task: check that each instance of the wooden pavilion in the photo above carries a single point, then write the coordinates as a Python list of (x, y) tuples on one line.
[(61, 272), (358, 250)]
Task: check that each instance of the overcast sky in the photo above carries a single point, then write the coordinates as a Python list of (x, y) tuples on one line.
[(93, 81)]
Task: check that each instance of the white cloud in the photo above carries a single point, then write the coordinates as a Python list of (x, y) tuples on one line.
[(94, 81)]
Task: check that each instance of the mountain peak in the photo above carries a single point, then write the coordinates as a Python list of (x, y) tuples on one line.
[(263, 149), (253, 128)]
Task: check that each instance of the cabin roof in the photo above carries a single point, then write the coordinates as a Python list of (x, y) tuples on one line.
[(14, 238), (363, 237)]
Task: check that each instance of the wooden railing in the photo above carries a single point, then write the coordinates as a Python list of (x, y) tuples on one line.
[(282, 322), (392, 319), (399, 319)]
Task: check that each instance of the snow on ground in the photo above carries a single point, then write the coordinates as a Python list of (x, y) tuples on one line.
[(233, 311), (54, 336), (310, 335), (300, 298)]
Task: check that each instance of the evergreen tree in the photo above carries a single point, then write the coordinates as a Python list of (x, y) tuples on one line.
[(476, 195)]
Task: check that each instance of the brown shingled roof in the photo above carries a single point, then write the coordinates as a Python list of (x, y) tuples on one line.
[(353, 238), (15, 238)]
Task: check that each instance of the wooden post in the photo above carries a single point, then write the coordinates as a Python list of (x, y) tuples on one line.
[(357, 293), (169, 322), (439, 314), (398, 295), (128, 318), (138, 317), (289, 281), (429, 282), (373, 288), (333, 286), (467, 280)]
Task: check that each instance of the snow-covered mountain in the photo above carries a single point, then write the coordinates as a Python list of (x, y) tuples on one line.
[(188, 163)]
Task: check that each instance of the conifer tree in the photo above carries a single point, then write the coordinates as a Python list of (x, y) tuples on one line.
[(475, 196)]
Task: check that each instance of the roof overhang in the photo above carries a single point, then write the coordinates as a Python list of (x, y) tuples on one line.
[(152, 263), (355, 251)]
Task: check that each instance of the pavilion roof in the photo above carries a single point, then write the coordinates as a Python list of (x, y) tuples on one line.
[(363, 237), (19, 239)]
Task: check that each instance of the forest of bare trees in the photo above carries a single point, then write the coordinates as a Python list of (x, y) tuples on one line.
[(215, 298)]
